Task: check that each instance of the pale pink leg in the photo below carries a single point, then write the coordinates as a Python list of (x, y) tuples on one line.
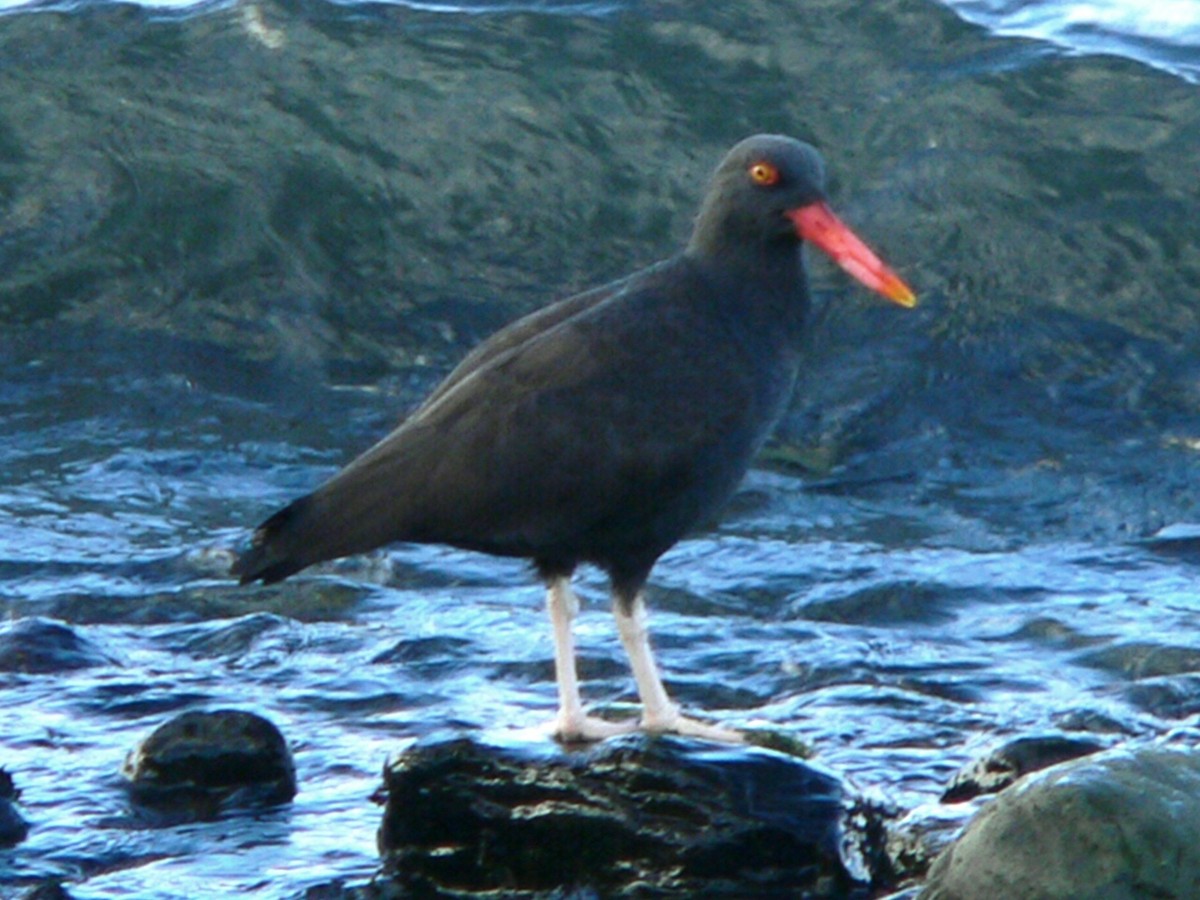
[(571, 723), (659, 713)]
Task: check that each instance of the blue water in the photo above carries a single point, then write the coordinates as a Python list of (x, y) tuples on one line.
[(1165, 33)]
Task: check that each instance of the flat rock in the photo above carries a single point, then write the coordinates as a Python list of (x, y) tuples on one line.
[(639, 815), (1119, 824)]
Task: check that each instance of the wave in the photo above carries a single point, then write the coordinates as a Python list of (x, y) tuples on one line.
[(1164, 34)]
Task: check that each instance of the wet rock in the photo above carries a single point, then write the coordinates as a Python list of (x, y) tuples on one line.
[(47, 890), (201, 763), (375, 890), (41, 646), (1121, 824), (1019, 757), (1181, 539), (1168, 697), (13, 826), (635, 816), (919, 837), (1144, 659)]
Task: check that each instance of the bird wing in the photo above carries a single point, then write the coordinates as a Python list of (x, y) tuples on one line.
[(563, 431), (523, 329)]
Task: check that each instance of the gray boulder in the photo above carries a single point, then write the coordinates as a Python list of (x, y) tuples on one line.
[(1120, 825)]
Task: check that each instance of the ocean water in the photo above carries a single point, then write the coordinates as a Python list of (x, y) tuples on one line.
[(239, 241), (1165, 35)]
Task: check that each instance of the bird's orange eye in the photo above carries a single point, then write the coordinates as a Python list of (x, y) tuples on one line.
[(763, 173)]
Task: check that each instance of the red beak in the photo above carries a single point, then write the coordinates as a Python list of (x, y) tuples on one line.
[(817, 224)]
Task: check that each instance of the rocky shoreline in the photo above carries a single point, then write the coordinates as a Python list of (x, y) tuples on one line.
[(1059, 817)]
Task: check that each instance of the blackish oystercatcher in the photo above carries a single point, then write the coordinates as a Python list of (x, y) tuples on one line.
[(603, 428)]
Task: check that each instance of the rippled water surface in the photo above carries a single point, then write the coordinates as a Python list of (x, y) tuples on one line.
[(237, 247), (1164, 34)]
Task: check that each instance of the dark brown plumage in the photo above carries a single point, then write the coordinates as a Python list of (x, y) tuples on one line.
[(602, 428)]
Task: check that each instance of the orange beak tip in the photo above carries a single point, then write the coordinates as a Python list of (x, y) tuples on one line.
[(901, 294)]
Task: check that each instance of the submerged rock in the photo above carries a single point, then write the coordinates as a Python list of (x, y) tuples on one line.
[(641, 816), (41, 646), (1121, 824), (200, 763), (47, 890)]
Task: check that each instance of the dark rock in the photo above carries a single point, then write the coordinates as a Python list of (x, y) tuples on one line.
[(200, 763), (47, 890), (915, 840), (40, 646), (13, 827), (1166, 697), (8, 787), (374, 890), (640, 816), (1019, 757), (1121, 824)]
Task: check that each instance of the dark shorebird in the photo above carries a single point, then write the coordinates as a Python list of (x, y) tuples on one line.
[(603, 428)]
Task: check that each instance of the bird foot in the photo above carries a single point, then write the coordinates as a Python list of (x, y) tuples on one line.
[(677, 723), (584, 729), (580, 728)]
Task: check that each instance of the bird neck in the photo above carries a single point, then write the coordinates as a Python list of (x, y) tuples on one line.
[(771, 269), (761, 256), (759, 290)]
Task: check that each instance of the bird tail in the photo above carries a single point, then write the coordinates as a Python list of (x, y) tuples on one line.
[(283, 545), (375, 500), (327, 524)]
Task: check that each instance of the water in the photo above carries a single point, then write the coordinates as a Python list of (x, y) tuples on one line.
[(236, 246), (1166, 35)]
